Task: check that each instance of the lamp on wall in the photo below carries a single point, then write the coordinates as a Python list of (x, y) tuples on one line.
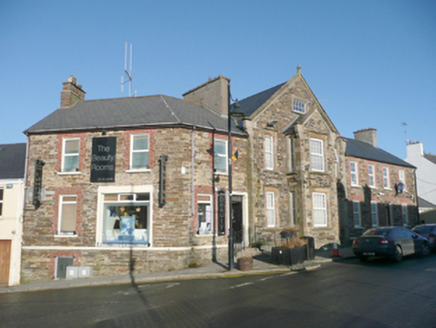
[(399, 187)]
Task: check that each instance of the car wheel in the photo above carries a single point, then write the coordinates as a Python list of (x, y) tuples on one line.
[(363, 258), (425, 249), (398, 254)]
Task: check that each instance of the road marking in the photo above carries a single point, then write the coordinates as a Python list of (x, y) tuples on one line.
[(172, 285), (288, 273), (266, 278), (242, 285)]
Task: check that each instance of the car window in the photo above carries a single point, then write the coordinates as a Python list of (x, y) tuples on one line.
[(421, 229), (377, 232)]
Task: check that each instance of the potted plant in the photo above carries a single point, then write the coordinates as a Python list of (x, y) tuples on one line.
[(291, 251), (245, 263)]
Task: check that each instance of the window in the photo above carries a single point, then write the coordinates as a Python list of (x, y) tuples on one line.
[(336, 163), (299, 107), (126, 218), (269, 153), (319, 210), (317, 154), (270, 209), (67, 217), (353, 174), (70, 155), (1, 202), (374, 213), (139, 152), (292, 208), (220, 156), (291, 155), (356, 213), (405, 214), (204, 214), (371, 175), (402, 177), (386, 184)]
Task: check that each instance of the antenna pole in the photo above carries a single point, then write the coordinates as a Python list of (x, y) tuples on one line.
[(127, 72), (405, 132)]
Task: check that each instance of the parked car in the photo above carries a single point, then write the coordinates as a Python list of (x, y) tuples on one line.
[(428, 231), (394, 242)]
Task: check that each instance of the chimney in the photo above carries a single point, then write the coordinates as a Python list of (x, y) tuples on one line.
[(72, 92), (213, 94), (415, 149), (367, 135)]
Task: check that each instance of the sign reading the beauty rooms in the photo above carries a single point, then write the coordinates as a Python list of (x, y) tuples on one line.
[(103, 159)]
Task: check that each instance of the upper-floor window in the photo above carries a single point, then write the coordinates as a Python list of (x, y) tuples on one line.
[(292, 208), (139, 151), (67, 215), (356, 213), (402, 177), (291, 155), (386, 183), (299, 106), (371, 175), (70, 155), (336, 163), (353, 174), (404, 210), (317, 154), (1, 202), (319, 209), (269, 153), (220, 156), (204, 214), (374, 213), (270, 209)]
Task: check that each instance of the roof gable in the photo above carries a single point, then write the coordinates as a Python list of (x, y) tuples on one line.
[(12, 161)]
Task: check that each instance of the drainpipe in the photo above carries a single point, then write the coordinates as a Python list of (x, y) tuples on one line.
[(17, 233)]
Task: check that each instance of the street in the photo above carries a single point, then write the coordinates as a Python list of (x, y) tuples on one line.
[(348, 293)]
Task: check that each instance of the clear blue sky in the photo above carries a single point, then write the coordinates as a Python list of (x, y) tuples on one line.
[(370, 63)]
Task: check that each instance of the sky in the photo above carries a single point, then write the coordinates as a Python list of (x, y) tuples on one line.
[(371, 64)]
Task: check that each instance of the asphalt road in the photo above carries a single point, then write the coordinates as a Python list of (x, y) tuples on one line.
[(378, 293)]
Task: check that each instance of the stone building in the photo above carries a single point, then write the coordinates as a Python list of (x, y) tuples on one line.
[(379, 189)]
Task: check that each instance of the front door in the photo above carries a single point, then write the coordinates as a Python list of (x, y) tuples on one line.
[(237, 225), (5, 260)]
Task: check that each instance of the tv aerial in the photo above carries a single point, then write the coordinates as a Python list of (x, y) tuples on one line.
[(127, 73)]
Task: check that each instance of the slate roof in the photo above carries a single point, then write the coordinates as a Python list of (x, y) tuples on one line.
[(250, 104), (425, 203), (430, 157), (130, 112), (365, 150), (12, 161)]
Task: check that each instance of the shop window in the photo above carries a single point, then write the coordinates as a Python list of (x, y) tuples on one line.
[(139, 152), (70, 155), (126, 218), (67, 217), (319, 209), (220, 159), (204, 215)]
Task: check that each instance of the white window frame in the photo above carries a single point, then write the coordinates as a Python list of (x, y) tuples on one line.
[(322, 209), (291, 154), (386, 182), (315, 155), (357, 216), (354, 175), (405, 214), (1, 201), (269, 152), (207, 202), (336, 163), (225, 155), (64, 142), (371, 175), (402, 177), (374, 213), (292, 208), (138, 151), (61, 204), (270, 209), (299, 106)]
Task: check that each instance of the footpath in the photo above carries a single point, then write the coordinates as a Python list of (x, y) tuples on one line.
[(261, 266)]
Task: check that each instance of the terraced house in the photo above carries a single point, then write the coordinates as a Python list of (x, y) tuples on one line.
[(145, 179)]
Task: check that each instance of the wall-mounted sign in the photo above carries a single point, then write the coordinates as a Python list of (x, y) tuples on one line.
[(221, 212), (103, 159), (9, 186), (37, 183)]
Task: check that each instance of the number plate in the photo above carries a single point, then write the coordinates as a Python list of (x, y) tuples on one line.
[(368, 254)]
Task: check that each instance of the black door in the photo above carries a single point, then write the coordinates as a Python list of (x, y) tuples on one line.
[(237, 219)]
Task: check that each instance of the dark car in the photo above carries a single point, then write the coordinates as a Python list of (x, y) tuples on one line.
[(428, 231), (394, 242)]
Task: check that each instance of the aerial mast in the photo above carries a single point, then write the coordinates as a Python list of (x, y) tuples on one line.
[(128, 73)]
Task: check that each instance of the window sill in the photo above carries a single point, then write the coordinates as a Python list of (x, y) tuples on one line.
[(355, 186), (70, 173), (138, 170), (206, 235), (65, 236)]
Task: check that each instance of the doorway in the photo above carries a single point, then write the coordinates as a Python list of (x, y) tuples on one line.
[(237, 220), (5, 260)]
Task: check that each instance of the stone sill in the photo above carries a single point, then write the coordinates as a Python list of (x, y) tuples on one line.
[(69, 173), (138, 171)]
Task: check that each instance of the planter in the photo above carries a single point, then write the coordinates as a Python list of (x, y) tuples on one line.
[(245, 263), (289, 255)]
